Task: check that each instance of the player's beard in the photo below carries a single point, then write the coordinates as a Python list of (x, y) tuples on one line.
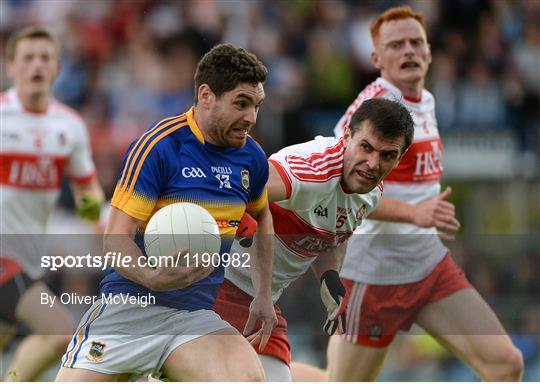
[(215, 130), (221, 132)]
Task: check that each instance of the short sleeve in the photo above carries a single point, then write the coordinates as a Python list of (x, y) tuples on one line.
[(139, 183), (308, 168), (81, 168)]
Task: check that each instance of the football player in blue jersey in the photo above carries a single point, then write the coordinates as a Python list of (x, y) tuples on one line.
[(204, 156)]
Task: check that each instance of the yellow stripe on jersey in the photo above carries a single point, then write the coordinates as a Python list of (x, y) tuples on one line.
[(193, 125), (145, 137), (123, 196), (138, 206), (255, 206)]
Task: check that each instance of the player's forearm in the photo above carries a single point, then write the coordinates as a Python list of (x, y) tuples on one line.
[(263, 264), (330, 261), (393, 210), (127, 253)]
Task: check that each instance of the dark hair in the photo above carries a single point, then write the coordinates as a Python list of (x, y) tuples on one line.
[(390, 119), (225, 66), (29, 33)]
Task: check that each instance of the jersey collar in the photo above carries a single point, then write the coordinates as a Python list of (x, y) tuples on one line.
[(193, 125), (14, 97)]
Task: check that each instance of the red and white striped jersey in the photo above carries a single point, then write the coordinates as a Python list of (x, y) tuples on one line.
[(36, 150), (316, 216), (396, 253)]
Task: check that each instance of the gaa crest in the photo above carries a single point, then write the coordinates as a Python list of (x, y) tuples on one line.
[(96, 352), (245, 178)]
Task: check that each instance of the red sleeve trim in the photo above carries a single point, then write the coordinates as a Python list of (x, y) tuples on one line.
[(83, 179), (284, 176)]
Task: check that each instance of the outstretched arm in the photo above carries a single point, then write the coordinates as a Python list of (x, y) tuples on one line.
[(435, 212)]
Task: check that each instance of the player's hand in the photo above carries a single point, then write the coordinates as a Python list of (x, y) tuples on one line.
[(437, 212), (172, 277), (89, 207), (246, 230), (261, 311), (333, 298)]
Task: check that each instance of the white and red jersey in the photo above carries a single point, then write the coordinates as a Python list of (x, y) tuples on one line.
[(397, 253), (316, 216), (36, 150)]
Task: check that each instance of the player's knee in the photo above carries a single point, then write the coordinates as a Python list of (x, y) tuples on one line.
[(248, 372), (513, 365), (256, 374), (507, 366)]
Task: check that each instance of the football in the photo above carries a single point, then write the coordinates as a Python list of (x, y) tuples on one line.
[(182, 225)]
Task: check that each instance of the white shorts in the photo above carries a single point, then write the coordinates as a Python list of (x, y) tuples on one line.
[(127, 338)]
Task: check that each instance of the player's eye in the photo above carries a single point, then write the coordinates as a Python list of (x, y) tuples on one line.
[(389, 156), (241, 104), (396, 44), (366, 147)]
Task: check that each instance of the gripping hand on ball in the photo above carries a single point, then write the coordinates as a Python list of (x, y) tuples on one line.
[(171, 277)]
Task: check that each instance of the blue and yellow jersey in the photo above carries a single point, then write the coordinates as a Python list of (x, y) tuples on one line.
[(170, 163)]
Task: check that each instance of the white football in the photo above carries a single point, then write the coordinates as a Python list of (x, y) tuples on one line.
[(182, 225)]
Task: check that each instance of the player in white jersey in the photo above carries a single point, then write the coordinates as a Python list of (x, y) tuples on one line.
[(399, 273), (42, 140), (320, 192)]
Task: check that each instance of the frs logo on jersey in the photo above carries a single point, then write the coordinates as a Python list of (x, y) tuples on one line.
[(32, 171), (313, 246), (192, 172)]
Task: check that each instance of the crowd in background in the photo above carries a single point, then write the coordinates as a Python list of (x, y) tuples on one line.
[(128, 63)]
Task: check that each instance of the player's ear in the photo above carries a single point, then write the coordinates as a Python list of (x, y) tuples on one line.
[(375, 59), (205, 95), (346, 135)]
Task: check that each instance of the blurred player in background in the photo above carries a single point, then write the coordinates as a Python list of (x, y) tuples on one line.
[(42, 140), (399, 274), (204, 156), (320, 191)]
